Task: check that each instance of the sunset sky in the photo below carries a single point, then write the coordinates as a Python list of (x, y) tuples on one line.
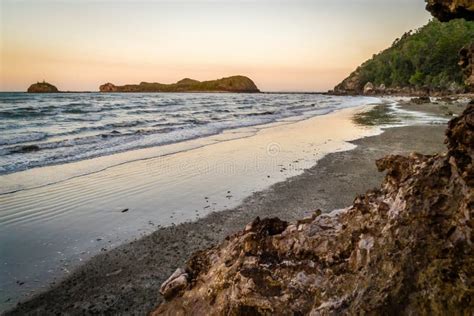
[(282, 45)]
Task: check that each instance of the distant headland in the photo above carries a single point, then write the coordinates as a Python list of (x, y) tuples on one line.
[(42, 87), (240, 84)]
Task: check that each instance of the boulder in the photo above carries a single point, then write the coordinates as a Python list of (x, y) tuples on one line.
[(381, 88), (369, 88)]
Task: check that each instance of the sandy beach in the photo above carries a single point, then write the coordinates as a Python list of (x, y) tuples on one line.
[(127, 278)]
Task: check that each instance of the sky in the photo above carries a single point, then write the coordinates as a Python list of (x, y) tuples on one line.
[(292, 45)]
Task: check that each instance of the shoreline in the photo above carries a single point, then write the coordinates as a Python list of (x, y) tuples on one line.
[(51, 230), (127, 278), (33, 177)]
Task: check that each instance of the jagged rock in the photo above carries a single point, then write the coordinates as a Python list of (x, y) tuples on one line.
[(467, 64), (446, 10), (404, 249), (42, 87)]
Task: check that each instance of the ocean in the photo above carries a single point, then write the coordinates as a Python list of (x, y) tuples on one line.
[(44, 129)]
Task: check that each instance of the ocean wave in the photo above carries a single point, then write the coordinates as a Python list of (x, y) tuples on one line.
[(10, 140), (41, 130)]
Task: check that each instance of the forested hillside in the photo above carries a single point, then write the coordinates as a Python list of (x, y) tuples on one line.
[(423, 59)]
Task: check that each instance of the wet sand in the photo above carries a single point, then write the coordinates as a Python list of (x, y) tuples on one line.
[(126, 280)]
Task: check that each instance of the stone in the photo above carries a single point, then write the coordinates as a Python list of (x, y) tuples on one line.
[(369, 88)]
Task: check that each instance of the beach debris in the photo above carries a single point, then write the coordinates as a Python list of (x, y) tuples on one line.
[(125, 210)]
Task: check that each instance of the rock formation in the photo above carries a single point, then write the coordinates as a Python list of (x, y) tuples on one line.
[(446, 10), (467, 64), (369, 88), (406, 248), (108, 87), (229, 84), (42, 87)]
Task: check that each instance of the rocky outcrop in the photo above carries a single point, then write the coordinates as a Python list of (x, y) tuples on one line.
[(108, 87), (42, 87), (446, 10), (403, 249), (467, 64), (229, 84), (351, 85), (369, 88)]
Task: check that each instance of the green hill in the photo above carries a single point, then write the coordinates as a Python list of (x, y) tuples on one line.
[(426, 59), (229, 84)]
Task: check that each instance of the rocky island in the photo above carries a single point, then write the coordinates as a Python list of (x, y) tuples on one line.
[(240, 84), (42, 87)]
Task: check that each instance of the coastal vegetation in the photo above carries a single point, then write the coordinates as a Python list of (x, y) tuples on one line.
[(425, 59), (229, 84), (378, 115)]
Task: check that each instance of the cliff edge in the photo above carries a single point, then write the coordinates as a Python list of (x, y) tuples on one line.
[(230, 84)]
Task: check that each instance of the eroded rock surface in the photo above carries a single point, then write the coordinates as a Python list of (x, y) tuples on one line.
[(446, 10), (405, 248), (467, 64)]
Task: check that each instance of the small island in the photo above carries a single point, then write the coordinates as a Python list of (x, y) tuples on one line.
[(42, 87), (239, 84)]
